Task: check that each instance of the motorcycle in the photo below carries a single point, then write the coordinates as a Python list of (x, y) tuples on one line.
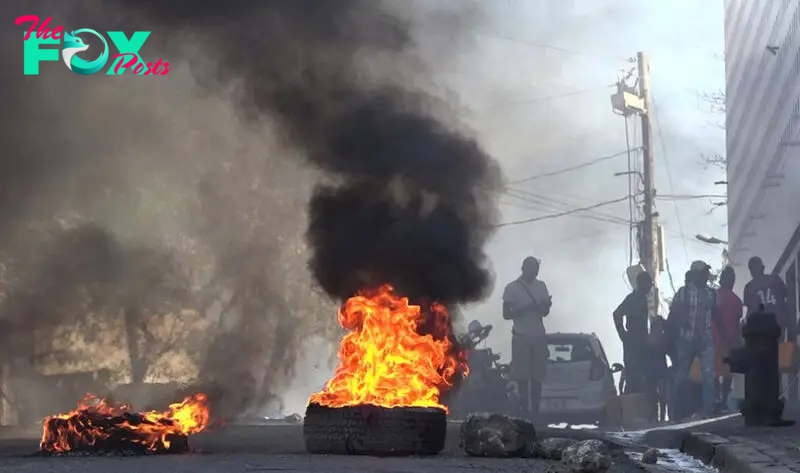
[(489, 387)]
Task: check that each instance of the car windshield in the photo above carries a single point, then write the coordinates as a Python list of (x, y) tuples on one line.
[(569, 351)]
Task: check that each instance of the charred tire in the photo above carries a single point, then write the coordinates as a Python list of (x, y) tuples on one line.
[(373, 430)]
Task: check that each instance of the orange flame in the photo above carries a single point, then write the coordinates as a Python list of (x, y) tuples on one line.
[(96, 419), (388, 359)]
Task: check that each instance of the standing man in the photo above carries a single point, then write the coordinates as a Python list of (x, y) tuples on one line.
[(526, 301), (766, 291), (726, 332), (691, 314), (630, 319)]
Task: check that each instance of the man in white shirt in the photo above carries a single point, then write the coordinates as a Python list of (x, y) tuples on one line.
[(526, 301)]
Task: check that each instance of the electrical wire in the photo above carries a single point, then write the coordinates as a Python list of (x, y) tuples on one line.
[(550, 47), (588, 215), (669, 273), (545, 98), (690, 196), (569, 169), (548, 204), (563, 214), (631, 203), (669, 177)]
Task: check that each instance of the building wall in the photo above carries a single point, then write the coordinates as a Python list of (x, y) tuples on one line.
[(763, 137), (763, 125)]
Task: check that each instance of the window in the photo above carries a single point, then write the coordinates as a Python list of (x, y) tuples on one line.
[(569, 351)]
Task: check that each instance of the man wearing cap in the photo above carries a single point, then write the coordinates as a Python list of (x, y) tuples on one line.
[(526, 301), (691, 313)]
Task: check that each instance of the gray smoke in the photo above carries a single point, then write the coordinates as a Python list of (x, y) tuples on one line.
[(212, 193), (411, 202)]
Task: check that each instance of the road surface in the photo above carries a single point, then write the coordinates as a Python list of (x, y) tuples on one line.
[(269, 448)]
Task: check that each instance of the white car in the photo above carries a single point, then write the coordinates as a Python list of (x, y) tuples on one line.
[(579, 380)]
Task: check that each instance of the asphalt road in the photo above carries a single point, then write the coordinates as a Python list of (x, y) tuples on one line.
[(275, 448)]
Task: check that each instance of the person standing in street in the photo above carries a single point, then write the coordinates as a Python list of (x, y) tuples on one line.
[(726, 332), (691, 313), (526, 302), (630, 319), (765, 292), (658, 385)]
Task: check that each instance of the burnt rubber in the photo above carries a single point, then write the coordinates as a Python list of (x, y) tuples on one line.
[(373, 430)]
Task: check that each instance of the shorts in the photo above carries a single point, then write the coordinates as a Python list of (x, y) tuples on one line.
[(528, 358)]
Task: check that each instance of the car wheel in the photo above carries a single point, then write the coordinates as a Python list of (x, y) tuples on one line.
[(373, 430)]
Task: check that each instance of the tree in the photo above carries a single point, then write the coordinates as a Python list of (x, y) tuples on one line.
[(714, 104), (213, 268)]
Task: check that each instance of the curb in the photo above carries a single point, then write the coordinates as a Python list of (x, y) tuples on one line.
[(725, 455)]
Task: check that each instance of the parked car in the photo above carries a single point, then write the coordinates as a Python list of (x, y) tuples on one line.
[(579, 381)]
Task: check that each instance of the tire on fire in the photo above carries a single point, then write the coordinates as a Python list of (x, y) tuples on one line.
[(373, 430)]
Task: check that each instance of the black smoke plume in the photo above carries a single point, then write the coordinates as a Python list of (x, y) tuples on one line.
[(406, 199), (410, 199)]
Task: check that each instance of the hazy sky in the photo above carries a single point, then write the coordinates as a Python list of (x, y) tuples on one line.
[(534, 79), (533, 52)]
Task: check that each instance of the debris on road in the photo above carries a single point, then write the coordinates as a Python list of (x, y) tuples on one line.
[(294, 419), (553, 448), (496, 435), (650, 456), (588, 456)]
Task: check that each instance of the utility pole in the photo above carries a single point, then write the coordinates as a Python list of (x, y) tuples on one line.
[(637, 101), (649, 252)]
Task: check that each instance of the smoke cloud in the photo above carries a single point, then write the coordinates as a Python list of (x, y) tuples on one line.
[(202, 171), (205, 167), (410, 203)]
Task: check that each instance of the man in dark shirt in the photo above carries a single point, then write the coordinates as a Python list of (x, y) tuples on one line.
[(630, 319), (765, 291)]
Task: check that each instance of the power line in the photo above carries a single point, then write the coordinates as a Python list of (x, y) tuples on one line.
[(550, 47), (574, 93), (563, 214), (546, 203), (569, 169), (588, 215), (598, 216), (669, 178), (631, 203), (690, 196)]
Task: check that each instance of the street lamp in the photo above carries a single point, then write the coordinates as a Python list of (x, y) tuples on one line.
[(628, 173), (710, 239)]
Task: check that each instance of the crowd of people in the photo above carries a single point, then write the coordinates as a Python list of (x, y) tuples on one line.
[(660, 353), (702, 326)]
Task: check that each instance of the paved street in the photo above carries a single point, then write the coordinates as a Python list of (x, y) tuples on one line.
[(274, 448), (732, 448)]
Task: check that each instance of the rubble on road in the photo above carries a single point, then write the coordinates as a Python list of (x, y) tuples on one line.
[(553, 448), (294, 419), (588, 456), (499, 436), (650, 456)]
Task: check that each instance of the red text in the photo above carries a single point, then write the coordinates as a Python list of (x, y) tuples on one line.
[(43, 31), (152, 68)]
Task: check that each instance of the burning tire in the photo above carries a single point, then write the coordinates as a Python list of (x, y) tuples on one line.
[(373, 430), (100, 427)]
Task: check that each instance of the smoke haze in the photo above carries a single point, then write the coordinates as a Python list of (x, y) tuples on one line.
[(205, 167)]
